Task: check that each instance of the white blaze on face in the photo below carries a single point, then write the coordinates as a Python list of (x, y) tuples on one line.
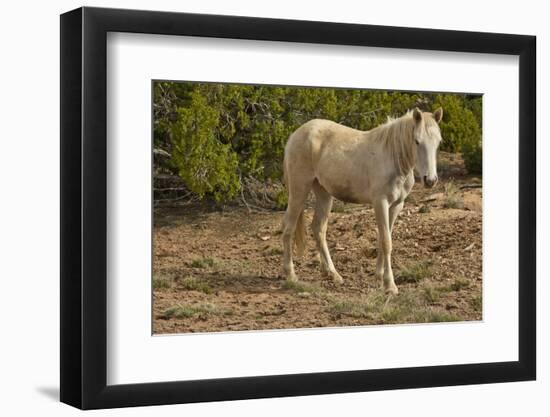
[(427, 136)]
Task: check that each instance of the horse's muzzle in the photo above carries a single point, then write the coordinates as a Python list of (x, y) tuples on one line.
[(430, 182)]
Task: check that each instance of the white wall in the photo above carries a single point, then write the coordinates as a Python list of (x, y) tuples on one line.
[(29, 238)]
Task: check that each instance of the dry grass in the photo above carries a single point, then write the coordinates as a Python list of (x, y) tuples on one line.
[(431, 294), (351, 308), (413, 272), (424, 209), (207, 262), (453, 196), (161, 283), (460, 284), (273, 251), (477, 302), (200, 310), (194, 284)]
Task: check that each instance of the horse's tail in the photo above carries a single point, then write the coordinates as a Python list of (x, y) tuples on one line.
[(300, 235)]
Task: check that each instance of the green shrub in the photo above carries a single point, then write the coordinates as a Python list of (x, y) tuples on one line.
[(461, 129), (281, 200), (211, 135), (205, 164), (473, 157)]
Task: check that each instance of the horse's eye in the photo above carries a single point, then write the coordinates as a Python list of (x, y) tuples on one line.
[(417, 142)]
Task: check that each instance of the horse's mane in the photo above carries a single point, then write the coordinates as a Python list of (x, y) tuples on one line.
[(397, 136)]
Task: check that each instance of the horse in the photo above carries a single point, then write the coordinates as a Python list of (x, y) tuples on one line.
[(375, 166)]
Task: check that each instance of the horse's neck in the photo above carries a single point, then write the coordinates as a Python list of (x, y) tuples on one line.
[(395, 139)]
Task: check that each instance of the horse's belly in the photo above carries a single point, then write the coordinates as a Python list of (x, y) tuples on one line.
[(344, 176), (346, 196), (347, 191)]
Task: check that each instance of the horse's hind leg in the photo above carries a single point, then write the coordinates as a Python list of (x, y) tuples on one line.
[(297, 194), (323, 205)]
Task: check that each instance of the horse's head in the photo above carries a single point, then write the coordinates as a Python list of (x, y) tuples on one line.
[(427, 137)]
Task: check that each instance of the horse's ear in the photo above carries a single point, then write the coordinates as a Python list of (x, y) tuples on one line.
[(438, 114), (417, 115)]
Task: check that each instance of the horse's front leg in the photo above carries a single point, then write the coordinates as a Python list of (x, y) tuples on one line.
[(394, 211), (383, 264)]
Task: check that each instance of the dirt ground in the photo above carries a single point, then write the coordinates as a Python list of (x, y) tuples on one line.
[(221, 270)]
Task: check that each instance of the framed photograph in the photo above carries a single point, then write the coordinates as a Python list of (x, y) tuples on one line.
[(257, 208)]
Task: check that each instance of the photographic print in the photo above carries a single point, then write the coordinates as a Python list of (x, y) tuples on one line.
[(310, 194), (286, 207)]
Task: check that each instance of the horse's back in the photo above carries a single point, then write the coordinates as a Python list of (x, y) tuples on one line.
[(316, 134), (322, 128), (315, 138)]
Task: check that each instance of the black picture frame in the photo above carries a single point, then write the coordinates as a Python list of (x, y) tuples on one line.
[(84, 207)]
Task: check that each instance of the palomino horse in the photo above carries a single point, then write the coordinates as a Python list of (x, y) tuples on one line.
[(354, 166)]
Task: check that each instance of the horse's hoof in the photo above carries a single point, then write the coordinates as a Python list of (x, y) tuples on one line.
[(391, 289), (292, 278), (336, 277)]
